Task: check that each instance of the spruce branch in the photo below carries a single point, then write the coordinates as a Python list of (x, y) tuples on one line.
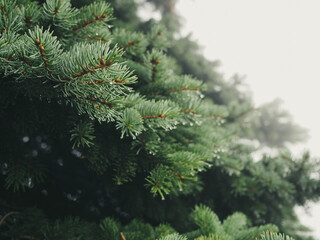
[(82, 134), (27, 237), (60, 14), (94, 13)]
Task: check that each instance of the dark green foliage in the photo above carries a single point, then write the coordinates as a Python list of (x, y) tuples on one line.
[(99, 126)]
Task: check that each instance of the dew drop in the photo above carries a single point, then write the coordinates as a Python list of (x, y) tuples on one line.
[(60, 162), (25, 139), (44, 192), (44, 145), (30, 183), (34, 153)]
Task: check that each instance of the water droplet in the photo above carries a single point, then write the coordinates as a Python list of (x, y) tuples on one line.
[(76, 153), (30, 183), (34, 153), (162, 198), (25, 139), (44, 192), (44, 145), (60, 162)]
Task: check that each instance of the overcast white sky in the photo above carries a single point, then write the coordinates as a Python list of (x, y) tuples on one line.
[(276, 44)]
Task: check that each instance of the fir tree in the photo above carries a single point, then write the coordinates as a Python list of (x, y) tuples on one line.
[(99, 126)]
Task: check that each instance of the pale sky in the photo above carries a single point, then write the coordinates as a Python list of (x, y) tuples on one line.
[(276, 44)]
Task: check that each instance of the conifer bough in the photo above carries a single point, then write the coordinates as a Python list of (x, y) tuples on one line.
[(109, 101)]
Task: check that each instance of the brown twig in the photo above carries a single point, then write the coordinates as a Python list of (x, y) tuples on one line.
[(154, 68), (102, 64), (4, 11), (7, 215), (100, 101), (25, 60), (56, 11), (130, 43), (154, 116), (122, 236), (42, 53), (86, 22), (189, 111)]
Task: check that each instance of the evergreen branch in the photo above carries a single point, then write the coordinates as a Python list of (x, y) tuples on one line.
[(25, 60), (118, 80), (231, 167), (94, 38), (177, 174), (271, 235), (60, 14), (7, 215), (160, 115), (27, 20), (82, 134), (215, 115), (86, 22), (184, 88), (4, 11), (29, 13), (42, 53), (154, 63), (153, 39), (102, 65), (27, 237), (188, 111), (176, 90), (100, 101), (242, 114), (6, 29), (56, 11), (130, 43), (157, 37)]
